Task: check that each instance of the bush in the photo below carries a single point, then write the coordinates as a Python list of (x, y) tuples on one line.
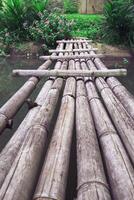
[(17, 15), (119, 21), (70, 6), (50, 28)]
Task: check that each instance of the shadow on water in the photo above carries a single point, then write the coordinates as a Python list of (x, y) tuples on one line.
[(127, 63), (9, 85)]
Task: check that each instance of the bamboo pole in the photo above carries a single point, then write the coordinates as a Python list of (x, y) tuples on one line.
[(22, 177), (122, 120), (91, 177), (9, 153), (10, 108), (69, 57), (73, 50), (119, 168), (125, 97), (53, 178), (69, 73), (74, 41)]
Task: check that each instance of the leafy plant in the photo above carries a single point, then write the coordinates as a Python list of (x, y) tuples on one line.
[(70, 6), (17, 15), (50, 28), (119, 21)]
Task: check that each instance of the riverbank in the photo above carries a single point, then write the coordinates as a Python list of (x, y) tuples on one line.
[(33, 50)]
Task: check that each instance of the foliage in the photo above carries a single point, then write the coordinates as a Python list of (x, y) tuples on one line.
[(50, 28), (17, 15), (86, 25), (119, 21), (52, 4), (70, 6)]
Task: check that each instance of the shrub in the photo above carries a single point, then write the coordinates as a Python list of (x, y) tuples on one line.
[(17, 15), (70, 6), (50, 28), (119, 21)]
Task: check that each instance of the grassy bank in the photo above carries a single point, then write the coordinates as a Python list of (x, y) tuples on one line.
[(86, 25)]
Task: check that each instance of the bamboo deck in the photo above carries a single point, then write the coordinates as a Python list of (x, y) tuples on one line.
[(98, 112)]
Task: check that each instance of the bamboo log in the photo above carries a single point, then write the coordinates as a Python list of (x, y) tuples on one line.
[(91, 177), (70, 73), (10, 108), (122, 120), (53, 179), (125, 97), (74, 41), (119, 168), (73, 50), (22, 177), (9, 153), (69, 57)]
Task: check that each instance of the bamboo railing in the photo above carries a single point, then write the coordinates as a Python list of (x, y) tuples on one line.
[(35, 162)]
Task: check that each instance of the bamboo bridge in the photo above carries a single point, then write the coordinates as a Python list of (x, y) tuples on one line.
[(84, 100)]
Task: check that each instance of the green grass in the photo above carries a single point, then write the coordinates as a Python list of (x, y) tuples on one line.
[(86, 25)]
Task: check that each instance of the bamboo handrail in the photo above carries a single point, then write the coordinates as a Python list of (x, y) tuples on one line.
[(70, 73)]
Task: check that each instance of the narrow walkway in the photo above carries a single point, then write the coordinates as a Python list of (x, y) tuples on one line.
[(35, 162)]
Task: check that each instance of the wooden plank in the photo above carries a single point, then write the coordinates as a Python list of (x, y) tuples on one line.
[(69, 73)]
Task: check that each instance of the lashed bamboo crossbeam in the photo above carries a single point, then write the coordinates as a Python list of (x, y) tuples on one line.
[(70, 73), (74, 41), (114, 153), (91, 177), (10, 108), (120, 91), (73, 50), (122, 120), (69, 57), (9, 153)]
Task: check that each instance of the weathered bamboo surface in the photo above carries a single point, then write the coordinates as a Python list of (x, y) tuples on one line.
[(92, 183), (74, 41), (52, 183), (74, 50), (35, 164), (69, 57), (121, 180), (70, 73), (10, 151), (125, 97)]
